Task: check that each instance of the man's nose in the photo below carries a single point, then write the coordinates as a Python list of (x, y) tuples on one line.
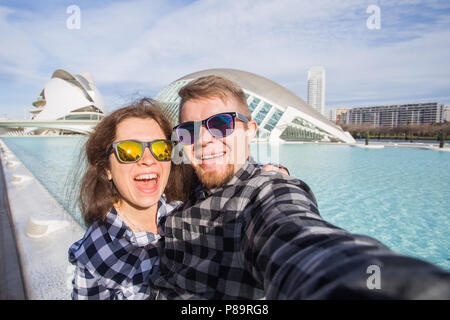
[(204, 136)]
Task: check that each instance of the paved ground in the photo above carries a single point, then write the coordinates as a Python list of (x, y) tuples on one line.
[(11, 281), (46, 271)]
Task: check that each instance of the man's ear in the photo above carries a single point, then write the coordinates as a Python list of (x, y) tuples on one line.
[(252, 128)]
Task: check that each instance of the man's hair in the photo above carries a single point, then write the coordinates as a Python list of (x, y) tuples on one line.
[(211, 87)]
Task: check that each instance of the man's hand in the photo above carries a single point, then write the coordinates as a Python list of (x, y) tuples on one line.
[(276, 167)]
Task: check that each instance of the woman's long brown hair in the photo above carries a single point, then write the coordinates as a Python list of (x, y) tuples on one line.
[(98, 194)]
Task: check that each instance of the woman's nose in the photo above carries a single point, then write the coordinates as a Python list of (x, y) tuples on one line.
[(147, 157)]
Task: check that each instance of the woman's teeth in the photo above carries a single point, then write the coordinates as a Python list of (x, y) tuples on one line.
[(212, 156), (146, 177)]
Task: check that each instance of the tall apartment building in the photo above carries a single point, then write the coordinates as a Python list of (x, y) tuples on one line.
[(397, 115), (331, 115), (316, 88)]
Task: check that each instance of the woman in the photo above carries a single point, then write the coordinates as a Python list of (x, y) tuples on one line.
[(129, 184)]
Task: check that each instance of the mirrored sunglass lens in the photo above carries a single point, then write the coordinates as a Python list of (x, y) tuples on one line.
[(129, 151), (221, 125), (185, 133), (162, 150)]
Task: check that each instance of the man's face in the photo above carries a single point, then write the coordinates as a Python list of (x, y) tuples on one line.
[(216, 160)]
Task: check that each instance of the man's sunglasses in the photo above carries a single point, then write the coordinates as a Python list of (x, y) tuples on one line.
[(129, 151), (219, 125)]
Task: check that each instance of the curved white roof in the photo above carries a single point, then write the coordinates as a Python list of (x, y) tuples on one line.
[(293, 106), (65, 93), (262, 87)]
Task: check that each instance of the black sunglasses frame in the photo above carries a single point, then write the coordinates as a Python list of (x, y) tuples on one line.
[(204, 122), (144, 144)]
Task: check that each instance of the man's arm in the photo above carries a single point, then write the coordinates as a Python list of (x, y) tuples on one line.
[(295, 254)]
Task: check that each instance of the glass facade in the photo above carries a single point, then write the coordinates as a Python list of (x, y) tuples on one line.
[(252, 106), (302, 130), (81, 116), (262, 113), (300, 134), (170, 93), (170, 100), (276, 116)]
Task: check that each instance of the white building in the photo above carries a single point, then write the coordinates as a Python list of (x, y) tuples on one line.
[(67, 97), (331, 114), (316, 88), (279, 113), (447, 113), (397, 115)]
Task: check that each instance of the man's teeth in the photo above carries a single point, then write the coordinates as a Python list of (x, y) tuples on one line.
[(212, 156), (146, 177)]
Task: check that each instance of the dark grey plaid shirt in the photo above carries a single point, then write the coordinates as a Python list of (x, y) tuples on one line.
[(261, 236)]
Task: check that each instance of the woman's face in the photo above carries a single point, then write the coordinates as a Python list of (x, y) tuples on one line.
[(131, 179)]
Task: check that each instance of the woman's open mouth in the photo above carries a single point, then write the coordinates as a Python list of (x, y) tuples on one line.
[(147, 183)]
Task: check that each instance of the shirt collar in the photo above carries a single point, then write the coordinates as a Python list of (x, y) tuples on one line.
[(115, 225), (118, 229)]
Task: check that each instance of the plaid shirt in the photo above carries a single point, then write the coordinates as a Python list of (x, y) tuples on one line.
[(113, 262), (261, 236)]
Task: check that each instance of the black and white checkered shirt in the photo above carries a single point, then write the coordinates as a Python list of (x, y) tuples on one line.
[(261, 236), (113, 262)]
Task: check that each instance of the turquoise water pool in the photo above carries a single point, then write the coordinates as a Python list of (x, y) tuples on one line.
[(400, 196), (52, 161)]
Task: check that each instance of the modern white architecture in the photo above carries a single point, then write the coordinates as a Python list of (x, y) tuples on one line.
[(67, 97), (280, 114), (316, 88)]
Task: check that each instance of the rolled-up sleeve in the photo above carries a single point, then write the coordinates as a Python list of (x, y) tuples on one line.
[(295, 254)]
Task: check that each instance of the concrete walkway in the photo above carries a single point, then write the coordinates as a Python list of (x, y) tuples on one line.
[(43, 233), (11, 280)]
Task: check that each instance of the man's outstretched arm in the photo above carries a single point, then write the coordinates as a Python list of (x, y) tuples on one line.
[(295, 254)]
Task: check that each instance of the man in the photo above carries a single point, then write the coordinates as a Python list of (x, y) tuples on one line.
[(250, 234)]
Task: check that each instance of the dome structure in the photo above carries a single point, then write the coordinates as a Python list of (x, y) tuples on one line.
[(68, 97), (280, 114)]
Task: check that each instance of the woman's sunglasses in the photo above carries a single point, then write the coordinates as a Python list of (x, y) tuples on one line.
[(129, 151), (219, 125)]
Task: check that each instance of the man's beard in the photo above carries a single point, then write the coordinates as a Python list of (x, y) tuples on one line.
[(213, 179)]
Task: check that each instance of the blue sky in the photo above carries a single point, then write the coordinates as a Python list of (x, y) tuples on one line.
[(135, 48)]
